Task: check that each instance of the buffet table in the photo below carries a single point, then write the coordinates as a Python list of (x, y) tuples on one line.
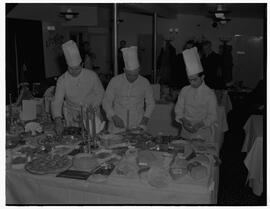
[(163, 121), (25, 188), (253, 145)]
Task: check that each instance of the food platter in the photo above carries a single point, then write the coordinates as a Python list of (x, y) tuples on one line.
[(58, 140), (127, 169), (103, 156), (25, 150), (156, 177), (85, 162), (49, 164), (74, 131), (62, 150)]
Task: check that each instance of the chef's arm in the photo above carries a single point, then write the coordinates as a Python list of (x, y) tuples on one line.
[(58, 99), (211, 117), (108, 99), (149, 101), (99, 91), (179, 107)]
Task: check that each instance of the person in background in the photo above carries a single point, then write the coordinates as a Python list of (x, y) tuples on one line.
[(196, 107), (75, 88), (254, 104), (226, 63), (121, 64), (212, 66), (128, 100), (166, 64), (88, 56), (180, 76), (25, 93), (24, 86)]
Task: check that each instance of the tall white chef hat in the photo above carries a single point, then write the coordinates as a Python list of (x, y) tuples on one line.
[(71, 53), (192, 61), (130, 56)]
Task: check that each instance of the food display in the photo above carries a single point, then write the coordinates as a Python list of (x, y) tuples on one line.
[(26, 150), (146, 158), (157, 177), (33, 127), (132, 154), (105, 169), (133, 138), (127, 169), (103, 155), (70, 140), (49, 140), (198, 172), (62, 150), (54, 140), (49, 164), (202, 159), (165, 139), (16, 129), (200, 147), (19, 160), (183, 148), (109, 140), (85, 162), (74, 131), (178, 168)]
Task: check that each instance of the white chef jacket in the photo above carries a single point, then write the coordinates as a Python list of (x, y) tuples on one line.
[(121, 96), (196, 105), (85, 89)]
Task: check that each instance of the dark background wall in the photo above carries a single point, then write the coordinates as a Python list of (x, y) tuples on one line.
[(28, 37)]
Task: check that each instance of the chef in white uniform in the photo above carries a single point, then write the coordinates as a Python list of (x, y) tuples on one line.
[(75, 88), (196, 107), (128, 100)]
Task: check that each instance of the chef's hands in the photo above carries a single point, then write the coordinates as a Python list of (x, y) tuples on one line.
[(187, 125), (59, 126), (118, 122), (191, 128), (197, 126)]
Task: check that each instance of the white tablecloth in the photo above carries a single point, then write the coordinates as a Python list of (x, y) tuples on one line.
[(253, 145), (253, 129), (163, 121), (24, 188)]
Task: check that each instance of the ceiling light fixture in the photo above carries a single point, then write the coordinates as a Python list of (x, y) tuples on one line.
[(69, 14)]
